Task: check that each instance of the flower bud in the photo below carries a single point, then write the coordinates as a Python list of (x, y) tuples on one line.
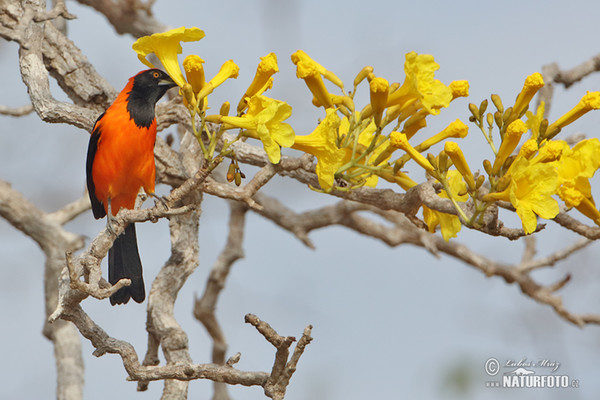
[(498, 103)]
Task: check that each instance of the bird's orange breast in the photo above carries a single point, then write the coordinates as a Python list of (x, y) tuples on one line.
[(124, 159)]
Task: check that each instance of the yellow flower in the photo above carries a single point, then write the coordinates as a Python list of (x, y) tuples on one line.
[(511, 139), (590, 101), (575, 168), (194, 72), (265, 118), (266, 68), (166, 46), (456, 129), (399, 140), (533, 83), (534, 120), (530, 191), (228, 70), (379, 89), (585, 205), (420, 84), (587, 156), (459, 89), (309, 71), (550, 150), (322, 144), (459, 161), (529, 148), (449, 224), (301, 56)]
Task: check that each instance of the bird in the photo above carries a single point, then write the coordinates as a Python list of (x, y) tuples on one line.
[(120, 161)]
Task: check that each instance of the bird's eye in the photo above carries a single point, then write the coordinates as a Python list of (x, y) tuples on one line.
[(156, 75)]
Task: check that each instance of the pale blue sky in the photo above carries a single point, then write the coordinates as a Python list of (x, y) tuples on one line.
[(391, 322)]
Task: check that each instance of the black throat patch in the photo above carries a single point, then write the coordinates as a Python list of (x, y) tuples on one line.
[(141, 107)]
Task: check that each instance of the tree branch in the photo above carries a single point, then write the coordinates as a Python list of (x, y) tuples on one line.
[(16, 111), (204, 307), (128, 16)]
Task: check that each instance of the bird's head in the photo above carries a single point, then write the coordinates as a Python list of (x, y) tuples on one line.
[(143, 91), (151, 84)]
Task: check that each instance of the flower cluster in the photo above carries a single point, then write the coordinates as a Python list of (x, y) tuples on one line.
[(258, 116), (543, 168), (356, 145)]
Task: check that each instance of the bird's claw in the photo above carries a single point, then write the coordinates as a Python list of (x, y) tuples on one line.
[(160, 199), (109, 221)]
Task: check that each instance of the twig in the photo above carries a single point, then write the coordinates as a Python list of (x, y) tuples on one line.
[(16, 111), (283, 369), (71, 210), (531, 264)]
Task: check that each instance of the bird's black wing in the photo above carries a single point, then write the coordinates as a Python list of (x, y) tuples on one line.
[(97, 206)]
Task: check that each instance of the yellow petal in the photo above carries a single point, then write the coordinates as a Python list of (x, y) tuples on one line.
[(166, 46), (322, 144), (459, 89)]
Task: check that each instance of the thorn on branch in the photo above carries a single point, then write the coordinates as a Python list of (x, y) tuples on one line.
[(234, 359), (558, 285)]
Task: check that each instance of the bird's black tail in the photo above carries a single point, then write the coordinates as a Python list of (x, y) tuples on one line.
[(124, 262)]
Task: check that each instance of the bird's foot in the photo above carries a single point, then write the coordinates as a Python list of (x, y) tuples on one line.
[(160, 199)]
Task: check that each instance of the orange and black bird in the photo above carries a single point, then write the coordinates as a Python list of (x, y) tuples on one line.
[(120, 161)]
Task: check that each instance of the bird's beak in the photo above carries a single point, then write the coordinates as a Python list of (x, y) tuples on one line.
[(167, 82)]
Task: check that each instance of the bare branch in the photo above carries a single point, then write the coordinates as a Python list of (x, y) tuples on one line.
[(530, 249), (59, 10), (282, 370), (405, 231), (173, 371), (530, 264), (71, 210), (128, 16), (226, 191), (161, 323), (35, 77), (575, 74), (204, 307), (16, 111), (566, 221), (54, 241), (553, 74)]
